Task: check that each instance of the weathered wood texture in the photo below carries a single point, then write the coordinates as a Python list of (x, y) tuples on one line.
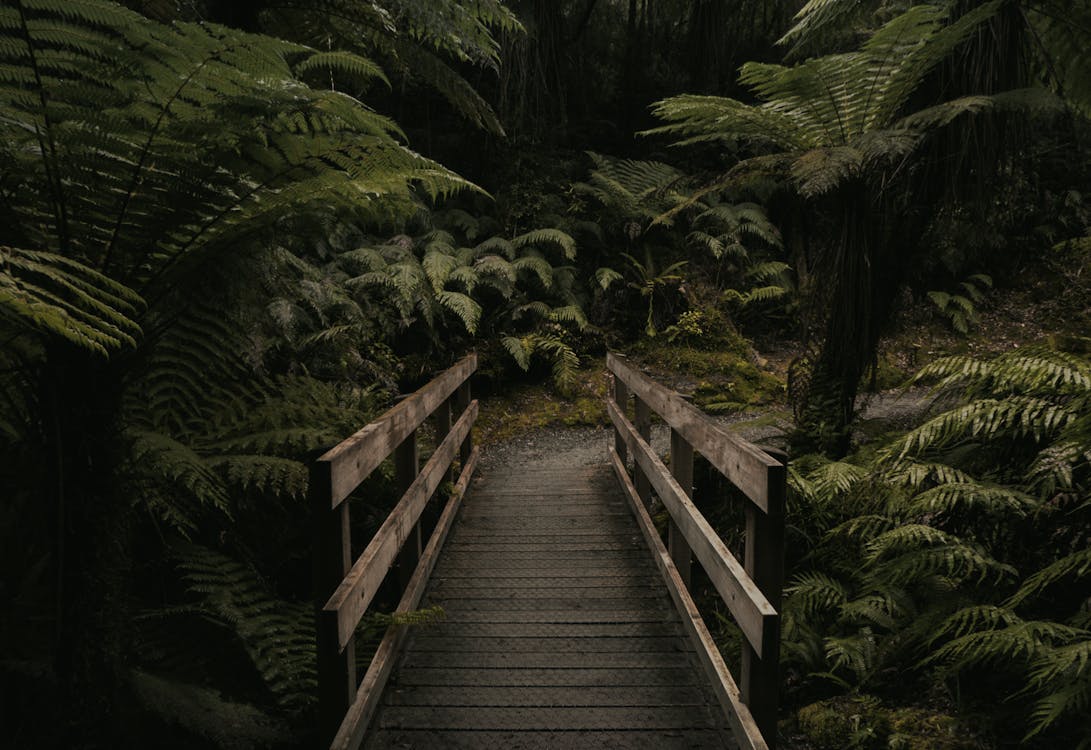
[(345, 707), (559, 632), (751, 589)]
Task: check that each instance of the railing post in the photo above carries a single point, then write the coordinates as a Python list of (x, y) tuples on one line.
[(331, 552), (406, 468), (621, 398), (462, 402), (643, 423), (682, 471), (764, 562), (443, 426)]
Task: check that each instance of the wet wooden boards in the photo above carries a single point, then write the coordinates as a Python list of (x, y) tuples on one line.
[(559, 631)]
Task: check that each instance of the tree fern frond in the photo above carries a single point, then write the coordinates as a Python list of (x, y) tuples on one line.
[(277, 636), (813, 593), (356, 67), (55, 295), (950, 497), (465, 307), (1076, 565), (519, 349), (536, 265), (915, 551), (554, 237), (280, 476)]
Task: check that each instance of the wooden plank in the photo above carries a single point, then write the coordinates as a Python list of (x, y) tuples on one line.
[(751, 610), (545, 660), (642, 421), (738, 715), (549, 644), (558, 630), (331, 560), (462, 401), (352, 597), (621, 398), (429, 739), (759, 675), (747, 466), (580, 578), (682, 471), (640, 695), (406, 468), (558, 616), (657, 604), (568, 718), (351, 732), (353, 459), (576, 678), (597, 597)]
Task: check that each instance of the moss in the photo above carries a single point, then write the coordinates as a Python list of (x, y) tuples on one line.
[(845, 722), (526, 407), (923, 729), (861, 722)]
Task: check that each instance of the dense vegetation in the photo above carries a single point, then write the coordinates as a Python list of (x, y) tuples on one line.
[(234, 231)]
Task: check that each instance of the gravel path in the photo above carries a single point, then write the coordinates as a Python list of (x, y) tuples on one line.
[(587, 446)]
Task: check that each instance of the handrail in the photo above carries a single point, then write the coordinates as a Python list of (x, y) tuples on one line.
[(345, 708), (751, 590)]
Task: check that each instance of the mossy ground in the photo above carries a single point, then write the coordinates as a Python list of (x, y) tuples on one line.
[(528, 406), (862, 722)]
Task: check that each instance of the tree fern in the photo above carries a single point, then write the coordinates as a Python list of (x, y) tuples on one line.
[(277, 636)]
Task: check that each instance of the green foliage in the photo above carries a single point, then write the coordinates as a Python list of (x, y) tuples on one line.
[(455, 282), (932, 563), (278, 636), (960, 308)]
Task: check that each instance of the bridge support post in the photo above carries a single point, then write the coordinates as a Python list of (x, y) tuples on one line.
[(462, 403), (406, 468), (443, 426), (642, 420), (331, 560), (621, 398), (682, 471), (764, 562)]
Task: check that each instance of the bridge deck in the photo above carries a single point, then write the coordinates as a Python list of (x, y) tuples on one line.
[(559, 631)]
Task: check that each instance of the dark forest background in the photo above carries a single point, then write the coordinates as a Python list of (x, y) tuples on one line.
[(231, 233)]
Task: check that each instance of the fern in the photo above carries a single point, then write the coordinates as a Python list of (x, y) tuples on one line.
[(277, 636)]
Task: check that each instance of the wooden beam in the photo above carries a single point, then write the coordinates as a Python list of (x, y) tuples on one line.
[(682, 471), (621, 398), (406, 469), (751, 610), (727, 692), (350, 735), (642, 421), (352, 597), (759, 674), (331, 559), (353, 459), (747, 466)]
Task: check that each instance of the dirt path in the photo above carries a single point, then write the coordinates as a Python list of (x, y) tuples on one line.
[(586, 446)]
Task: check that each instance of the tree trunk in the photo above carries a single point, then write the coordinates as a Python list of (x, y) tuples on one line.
[(866, 270), (93, 545)]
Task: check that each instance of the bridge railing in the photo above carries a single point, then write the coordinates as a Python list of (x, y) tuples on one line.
[(751, 590), (345, 706)]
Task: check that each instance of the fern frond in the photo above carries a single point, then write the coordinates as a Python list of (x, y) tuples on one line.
[(948, 498), (519, 349), (549, 237), (813, 593), (277, 636), (915, 551), (1074, 566), (463, 306)]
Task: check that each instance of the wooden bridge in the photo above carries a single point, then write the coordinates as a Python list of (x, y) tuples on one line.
[(568, 619)]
